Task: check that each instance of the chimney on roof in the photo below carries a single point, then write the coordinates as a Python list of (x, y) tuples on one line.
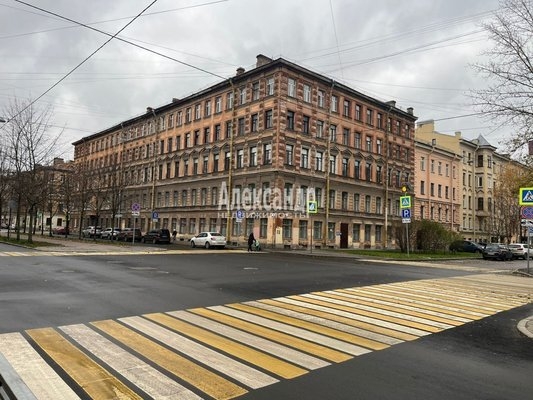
[(262, 60), (240, 71), (149, 110), (175, 99), (392, 103), (410, 110)]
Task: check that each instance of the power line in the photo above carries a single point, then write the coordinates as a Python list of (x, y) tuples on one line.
[(82, 62), (123, 40)]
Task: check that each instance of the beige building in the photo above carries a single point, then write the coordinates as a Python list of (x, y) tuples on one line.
[(483, 215), (437, 184), (250, 154)]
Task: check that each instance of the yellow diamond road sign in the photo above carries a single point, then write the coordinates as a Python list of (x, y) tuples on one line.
[(405, 201)]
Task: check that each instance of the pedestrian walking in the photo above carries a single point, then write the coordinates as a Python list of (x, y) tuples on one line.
[(174, 234), (251, 240)]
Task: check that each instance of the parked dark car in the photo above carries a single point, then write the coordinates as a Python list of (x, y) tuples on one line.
[(60, 230), (466, 246), (157, 236), (127, 235), (497, 251)]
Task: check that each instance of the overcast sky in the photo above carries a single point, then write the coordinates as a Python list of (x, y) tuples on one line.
[(416, 52)]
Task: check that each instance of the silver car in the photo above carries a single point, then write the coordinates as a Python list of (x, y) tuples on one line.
[(208, 239)]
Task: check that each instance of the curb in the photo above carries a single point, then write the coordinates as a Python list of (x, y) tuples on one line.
[(526, 326)]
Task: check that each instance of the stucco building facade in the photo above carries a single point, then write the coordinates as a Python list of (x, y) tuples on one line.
[(250, 153)]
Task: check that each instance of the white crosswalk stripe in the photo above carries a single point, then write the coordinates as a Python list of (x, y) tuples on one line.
[(222, 352)]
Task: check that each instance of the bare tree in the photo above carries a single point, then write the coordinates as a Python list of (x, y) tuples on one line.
[(508, 99), (29, 148)]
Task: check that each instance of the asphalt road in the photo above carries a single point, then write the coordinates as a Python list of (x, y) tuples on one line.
[(483, 359)]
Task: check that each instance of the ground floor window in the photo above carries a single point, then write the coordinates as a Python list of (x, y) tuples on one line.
[(287, 229), (249, 225), (302, 231), (317, 230), (224, 226), (183, 225), (192, 226), (213, 224), (356, 232), (378, 233), (368, 232), (263, 227), (236, 228), (202, 225), (331, 230)]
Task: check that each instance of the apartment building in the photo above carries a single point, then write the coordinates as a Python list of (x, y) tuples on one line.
[(250, 154), (484, 214), (437, 184)]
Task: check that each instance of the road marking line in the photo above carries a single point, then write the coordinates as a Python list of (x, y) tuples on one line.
[(260, 310), (244, 374), (412, 311), (95, 380), (374, 337), (276, 349), (147, 378), (288, 340), (298, 332), (198, 376), (40, 378)]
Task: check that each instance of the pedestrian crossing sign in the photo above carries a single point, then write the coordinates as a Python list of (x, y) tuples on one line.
[(526, 196), (311, 207), (405, 201)]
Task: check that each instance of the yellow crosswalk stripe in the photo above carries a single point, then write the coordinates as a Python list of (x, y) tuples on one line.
[(222, 352), (91, 377), (202, 378)]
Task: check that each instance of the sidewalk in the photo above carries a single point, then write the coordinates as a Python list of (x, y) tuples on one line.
[(74, 245)]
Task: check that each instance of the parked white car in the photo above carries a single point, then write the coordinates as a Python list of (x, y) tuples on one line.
[(520, 250), (208, 239), (110, 233)]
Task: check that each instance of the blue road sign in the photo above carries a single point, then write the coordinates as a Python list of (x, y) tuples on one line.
[(239, 214), (405, 201), (155, 215), (526, 197), (406, 213), (311, 207)]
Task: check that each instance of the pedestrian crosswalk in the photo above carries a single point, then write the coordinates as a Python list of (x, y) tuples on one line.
[(225, 351)]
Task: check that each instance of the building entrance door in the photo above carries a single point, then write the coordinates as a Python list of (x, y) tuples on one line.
[(344, 236)]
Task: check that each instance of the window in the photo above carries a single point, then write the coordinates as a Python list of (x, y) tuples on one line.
[(321, 96), (207, 109), (432, 189), (378, 206), (305, 124), (179, 118), (358, 112), (205, 164), (218, 132), (290, 120), (240, 158), (357, 140), (369, 144), (331, 199), (379, 121), (240, 127), (269, 121), (357, 169), (218, 104), (302, 230), (195, 166), (171, 120), (287, 229), (344, 166), (344, 200), (368, 203), (304, 159), (319, 157), (255, 91), (229, 101), (346, 108), (319, 129), (422, 187), (207, 133), (439, 168), (345, 136), (289, 154), (188, 115), (331, 230), (368, 172), (369, 116), (356, 232), (307, 93), (227, 160), (291, 90), (255, 122), (253, 156), (439, 190), (197, 111), (317, 230), (332, 164), (263, 227), (422, 163), (270, 86), (216, 159), (333, 133), (214, 196), (357, 202), (267, 153), (334, 103), (242, 96)]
